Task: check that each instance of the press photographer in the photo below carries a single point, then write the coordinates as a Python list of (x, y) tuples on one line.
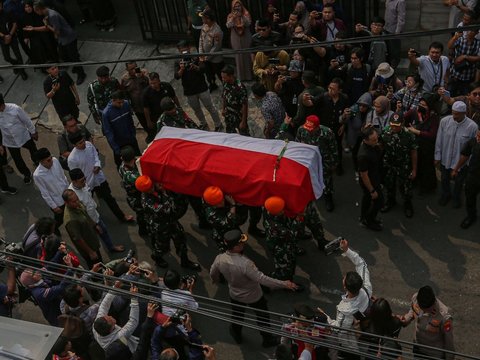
[(179, 291)]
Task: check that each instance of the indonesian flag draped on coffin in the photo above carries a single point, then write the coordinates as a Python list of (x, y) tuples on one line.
[(187, 161)]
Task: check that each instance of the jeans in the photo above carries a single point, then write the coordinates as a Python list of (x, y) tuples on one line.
[(457, 183), (259, 307), (206, 99), (18, 160)]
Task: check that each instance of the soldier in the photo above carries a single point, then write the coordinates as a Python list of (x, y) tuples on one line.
[(311, 219), (173, 116), (312, 133), (221, 214), (162, 213), (235, 102), (400, 163), (100, 92), (281, 234), (129, 173), (433, 324)]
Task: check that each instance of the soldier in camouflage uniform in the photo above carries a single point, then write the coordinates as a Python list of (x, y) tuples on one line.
[(281, 238), (312, 133), (399, 162), (235, 102), (162, 211), (129, 173), (100, 92), (223, 214), (174, 116)]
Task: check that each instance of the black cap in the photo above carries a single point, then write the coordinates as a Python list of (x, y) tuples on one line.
[(167, 104), (103, 71), (75, 137), (42, 153), (304, 311), (234, 237), (76, 174), (396, 119), (426, 297)]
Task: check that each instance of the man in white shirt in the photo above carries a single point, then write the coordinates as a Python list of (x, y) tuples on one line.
[(355, 302), (79, 185), (178, 292), (84, 156), (51, 181), (18, 131)]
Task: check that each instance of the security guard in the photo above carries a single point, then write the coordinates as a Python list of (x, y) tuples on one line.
[(433, 324), (399, 162)]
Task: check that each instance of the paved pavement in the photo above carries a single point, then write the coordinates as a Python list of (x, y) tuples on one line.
[(428, 249)]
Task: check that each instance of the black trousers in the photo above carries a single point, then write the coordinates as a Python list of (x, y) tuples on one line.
[(58, 220), (259, 307), (69, 53), (103, 192), (16, 50), (17, 157), (472, 189), (371, 207), (3, 179)]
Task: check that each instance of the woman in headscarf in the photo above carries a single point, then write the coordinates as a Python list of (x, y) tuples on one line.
[(379, 116), (239, 21)]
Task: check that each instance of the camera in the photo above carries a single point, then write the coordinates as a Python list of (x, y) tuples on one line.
[(189, 279), (274, 61), (14, 248), (138, 70), (178, 317), (186, 60), (129, 258), (333, 246), (55, 81)]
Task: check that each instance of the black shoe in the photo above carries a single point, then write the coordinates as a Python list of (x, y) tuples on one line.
[(307, 235), (388, 206), (23, 75), (269, 341), (372, 225), (9, 190), (467, 222), (27, 179), (444, 199), (329, 206), (160, 261), (255, 231), (300, 251), (236, 336), (81, 78), (187, 263), (408, 209)]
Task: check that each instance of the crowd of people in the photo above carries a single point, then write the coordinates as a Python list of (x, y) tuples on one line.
[(340, 98)]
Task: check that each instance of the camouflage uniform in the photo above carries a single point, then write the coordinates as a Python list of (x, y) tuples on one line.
[(99, 95), (134, 197), (179, 120), (324, 138), (162, 211), (311, 219), (397, 162), (234, 96), (222, 220), (280, 235)]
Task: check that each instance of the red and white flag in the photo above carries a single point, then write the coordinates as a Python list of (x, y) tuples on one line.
[(251, 170)]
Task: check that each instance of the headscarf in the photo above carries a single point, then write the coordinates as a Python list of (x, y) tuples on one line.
[(238, 23), (384, 103)]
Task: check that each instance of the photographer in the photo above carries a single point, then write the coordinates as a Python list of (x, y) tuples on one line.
[(7, 291), (192, 73), (289, 87), (356, 300), (179, 291), (184, 339)]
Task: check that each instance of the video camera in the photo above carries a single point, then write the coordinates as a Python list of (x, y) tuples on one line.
[(178, 317), (333, 246), (14, 248)]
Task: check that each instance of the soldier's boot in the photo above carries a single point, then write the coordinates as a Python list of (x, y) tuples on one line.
[(329, 206), (185, 262), (408, 208), (389, 204), (159, 260)]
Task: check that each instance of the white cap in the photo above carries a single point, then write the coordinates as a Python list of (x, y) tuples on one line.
[(459, 106)]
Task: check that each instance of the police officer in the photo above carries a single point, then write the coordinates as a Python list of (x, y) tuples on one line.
[(433, 324), (312, 133), (162, 212), (100, 92), (399, 162), (280, 235), (129, 173)]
